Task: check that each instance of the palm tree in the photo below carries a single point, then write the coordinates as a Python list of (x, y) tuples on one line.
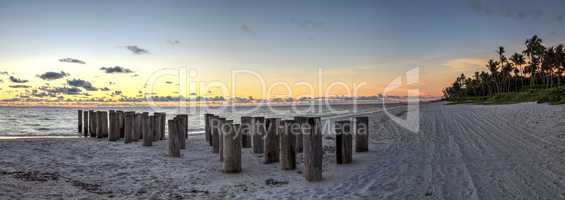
[(534, 49), (518, 60), (493, 68)]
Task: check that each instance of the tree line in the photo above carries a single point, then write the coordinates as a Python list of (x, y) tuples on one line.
[(536, 67)]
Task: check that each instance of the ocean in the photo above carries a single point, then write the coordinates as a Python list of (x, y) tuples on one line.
[(57, 121)]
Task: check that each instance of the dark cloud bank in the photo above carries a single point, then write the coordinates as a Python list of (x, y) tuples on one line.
[(82, 84), (137, 50), (116, 69), (72, 60), (53, 75)]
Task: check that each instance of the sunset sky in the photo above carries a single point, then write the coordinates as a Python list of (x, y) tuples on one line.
[(118, 46)]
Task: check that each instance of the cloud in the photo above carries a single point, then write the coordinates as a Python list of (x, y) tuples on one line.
[(53, 75), (17, 80), (117, 93), (465, 64), (82, 83), (105, 89), (116, 69), (518, 9), (19, 86), (246, 28), (72, 60), (137, 50), (173, 42), (54, 91)]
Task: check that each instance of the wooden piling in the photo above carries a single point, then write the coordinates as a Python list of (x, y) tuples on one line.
[(129, 118), (94, 125), (299, 143), (344, 142), (207, 131), (246, 124), (102, 132), (231, 148), (85, 124), (163, 118), (98, 124), (138, 127), (271, 141), (287, 141), (258, 130), (361, 134), (174, 143), (313, 152), (80, 121), (146, 130), (156, 127), (114, 133), (224, 124), (215, 133), (183, 127), (121, 123)]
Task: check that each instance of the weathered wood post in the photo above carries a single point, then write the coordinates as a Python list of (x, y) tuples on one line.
[(343, 142), (257, 130), (174, 143), (271, 141), (121, 123), (137, 128), (215, 127), (361, 134), (183, 127), (114, 134), (299, 143), (156, 127), (232, 148), (287, 141), (98, 124), (163, 118), (128, 126), (313, 152), (146, 130), (80, 121), (103, 124), (207, 131), (224, 124), (85, 125), (246, 123), (94, 125)]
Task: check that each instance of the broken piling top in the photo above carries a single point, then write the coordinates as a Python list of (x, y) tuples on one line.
[(310, 128)]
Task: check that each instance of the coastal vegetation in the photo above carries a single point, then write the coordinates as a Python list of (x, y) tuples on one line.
[(535, 74)]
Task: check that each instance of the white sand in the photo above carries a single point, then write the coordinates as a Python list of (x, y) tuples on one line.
[(463, 152)]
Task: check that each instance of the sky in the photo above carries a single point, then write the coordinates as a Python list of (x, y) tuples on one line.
[(111, 49)]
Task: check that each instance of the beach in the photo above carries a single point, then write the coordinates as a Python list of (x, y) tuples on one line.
[(461, 152)]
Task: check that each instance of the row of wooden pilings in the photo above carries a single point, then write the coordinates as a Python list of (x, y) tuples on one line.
[(280, 140), (132, 127)]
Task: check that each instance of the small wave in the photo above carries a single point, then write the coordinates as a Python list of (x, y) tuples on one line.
[(42, 129)]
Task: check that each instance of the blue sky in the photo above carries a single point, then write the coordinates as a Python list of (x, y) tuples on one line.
[(375, 41)]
